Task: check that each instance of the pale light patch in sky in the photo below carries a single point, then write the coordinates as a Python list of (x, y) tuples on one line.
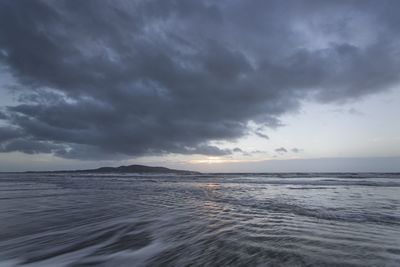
[(360, 129), (364, 128)]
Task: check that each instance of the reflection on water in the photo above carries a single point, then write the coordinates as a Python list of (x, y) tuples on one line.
[(205, 220)]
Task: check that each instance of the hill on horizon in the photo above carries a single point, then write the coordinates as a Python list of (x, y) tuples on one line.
[(124, 169)]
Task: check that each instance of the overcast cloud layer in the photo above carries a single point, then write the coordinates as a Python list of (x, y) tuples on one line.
[(110, 79)]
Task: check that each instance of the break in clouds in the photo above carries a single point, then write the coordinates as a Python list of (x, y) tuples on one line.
[(98, 79)]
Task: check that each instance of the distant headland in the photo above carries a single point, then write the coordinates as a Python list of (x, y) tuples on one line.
[(124, 169)]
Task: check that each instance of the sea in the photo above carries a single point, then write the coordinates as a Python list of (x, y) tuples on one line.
[(285, 219)]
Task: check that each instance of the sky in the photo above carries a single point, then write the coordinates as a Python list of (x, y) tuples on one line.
[(218, 86)]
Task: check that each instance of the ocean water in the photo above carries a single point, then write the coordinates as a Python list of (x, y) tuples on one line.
[(200, 220)]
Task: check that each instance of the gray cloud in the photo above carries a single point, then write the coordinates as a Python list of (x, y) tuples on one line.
[(262, 135), (237, 149), (281, 150), (351, 111), (258, 152), (296, 150), (116, 78), (284, 150), (354, 111)]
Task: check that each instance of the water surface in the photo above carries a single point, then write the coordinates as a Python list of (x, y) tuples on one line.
[(200, 220)]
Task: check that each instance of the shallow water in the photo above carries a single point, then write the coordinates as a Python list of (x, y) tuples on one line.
[(200, 220)]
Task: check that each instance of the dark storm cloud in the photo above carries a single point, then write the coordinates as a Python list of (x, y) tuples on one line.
[(125, 78), (3, 116), (8, 133), (29, 146)]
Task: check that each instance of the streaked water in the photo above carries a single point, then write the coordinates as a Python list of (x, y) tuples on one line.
[(204, 220)]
